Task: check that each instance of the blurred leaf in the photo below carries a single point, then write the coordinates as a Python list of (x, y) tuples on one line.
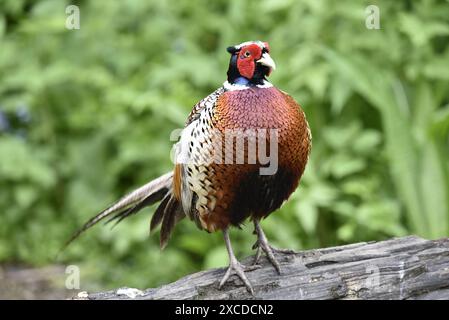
[(339, 94), (346, 232), (216, 258), (435, 189), (367, 141), (307, 215)]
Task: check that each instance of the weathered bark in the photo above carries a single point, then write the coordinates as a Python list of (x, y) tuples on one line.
[(402, 268)]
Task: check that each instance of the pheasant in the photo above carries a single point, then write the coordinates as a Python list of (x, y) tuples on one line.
[(219, 181)]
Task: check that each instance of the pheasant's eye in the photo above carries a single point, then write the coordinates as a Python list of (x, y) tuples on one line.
[(247, 54)]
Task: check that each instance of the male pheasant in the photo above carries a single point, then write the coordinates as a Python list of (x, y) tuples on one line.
[(218, 181)]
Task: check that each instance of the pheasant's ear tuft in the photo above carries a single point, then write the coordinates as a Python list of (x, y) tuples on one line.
[(266, 46), (232, 49)]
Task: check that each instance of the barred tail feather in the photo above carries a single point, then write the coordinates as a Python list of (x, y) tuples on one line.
[(146, 195), (173, 212)]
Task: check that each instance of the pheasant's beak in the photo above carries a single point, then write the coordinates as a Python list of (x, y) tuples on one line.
[(266, 60)]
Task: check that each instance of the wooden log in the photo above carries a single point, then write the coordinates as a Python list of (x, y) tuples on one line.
[(401, 268)]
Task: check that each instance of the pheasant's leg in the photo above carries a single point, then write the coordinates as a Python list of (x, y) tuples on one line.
[(234, 265), (263, 245), (256, 246)]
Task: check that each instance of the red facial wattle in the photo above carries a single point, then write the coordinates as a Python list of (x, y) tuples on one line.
[(246, 61)]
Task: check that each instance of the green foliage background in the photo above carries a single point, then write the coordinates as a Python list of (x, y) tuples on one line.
[(85, 116)]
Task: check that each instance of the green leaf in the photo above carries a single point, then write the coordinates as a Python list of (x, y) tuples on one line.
[(435, 188), (307, 215), (215, 258)]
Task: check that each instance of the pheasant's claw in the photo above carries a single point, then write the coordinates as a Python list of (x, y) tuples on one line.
[(252, 267), (236, 266), (262, 245), (265, 247), (258, 254), (239, 270), (282, 250)]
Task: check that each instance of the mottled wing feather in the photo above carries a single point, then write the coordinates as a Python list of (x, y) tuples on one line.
[(201, 105), (192, 182)]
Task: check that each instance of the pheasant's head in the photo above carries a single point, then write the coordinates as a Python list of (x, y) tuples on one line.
[(250, 62)]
